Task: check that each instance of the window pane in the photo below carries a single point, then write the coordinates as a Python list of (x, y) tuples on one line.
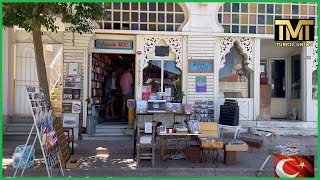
[(295, 76), (143, 17), (315, 84), (116, 16), (172, 77), (152, 75), (278, 78), (152, 17), (179, 18), (178, 8), (152, 27), (116, 26), (143, 27), (143, 6), (134, 6), (160, 6), (170, 7), (169, 18), (160, 17), (152, 6), (125, 6), (161, 27), (125, 16), (116, 5), (134, 17), (234, 77)]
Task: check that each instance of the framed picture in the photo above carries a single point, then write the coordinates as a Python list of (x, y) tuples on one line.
[(163, 129)]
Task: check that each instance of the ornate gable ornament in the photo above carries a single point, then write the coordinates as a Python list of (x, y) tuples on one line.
[(246, 48), (315, 55)]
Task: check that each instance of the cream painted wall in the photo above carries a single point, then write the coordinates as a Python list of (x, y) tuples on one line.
[(269, 49), (203, 17)]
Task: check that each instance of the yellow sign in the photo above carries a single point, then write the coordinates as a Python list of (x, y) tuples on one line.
[(294, 30)]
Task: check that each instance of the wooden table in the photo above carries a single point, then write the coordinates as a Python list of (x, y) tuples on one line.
[(178, 140)]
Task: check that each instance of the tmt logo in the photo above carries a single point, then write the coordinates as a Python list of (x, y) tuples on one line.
[(294, 30)]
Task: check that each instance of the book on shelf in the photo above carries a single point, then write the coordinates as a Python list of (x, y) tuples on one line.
[(142, 106), (76, 107), (76, 94), (67, 107), (146, 96), (67, 94)]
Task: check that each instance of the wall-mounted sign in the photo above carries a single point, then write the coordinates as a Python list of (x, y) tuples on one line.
[(196, 66), (162, 51), (114, 44), (70, 121), (201, 84)]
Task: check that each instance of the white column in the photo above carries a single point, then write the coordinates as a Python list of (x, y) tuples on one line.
[(216, 62), (139, 66), (306, 84), (256, 79)]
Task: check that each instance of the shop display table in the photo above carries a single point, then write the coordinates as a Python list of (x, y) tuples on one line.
[(157, 115), (230, 152), (175, 141)]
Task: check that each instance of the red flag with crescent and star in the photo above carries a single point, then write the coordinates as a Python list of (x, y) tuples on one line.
[(293, 166)]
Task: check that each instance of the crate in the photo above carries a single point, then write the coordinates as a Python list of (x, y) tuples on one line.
[(194, 154), (73, 163)]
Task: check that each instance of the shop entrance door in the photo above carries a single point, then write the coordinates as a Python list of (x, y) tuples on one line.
[(277, 79)]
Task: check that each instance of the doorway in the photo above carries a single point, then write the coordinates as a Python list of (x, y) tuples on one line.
[(112, 83), (284, 76)]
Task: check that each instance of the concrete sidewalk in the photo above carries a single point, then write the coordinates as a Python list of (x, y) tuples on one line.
[(118, 162)]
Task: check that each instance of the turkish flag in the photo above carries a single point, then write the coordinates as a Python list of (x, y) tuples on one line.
[(293, 166)]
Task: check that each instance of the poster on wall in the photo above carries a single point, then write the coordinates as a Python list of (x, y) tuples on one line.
[(198, 66), (73, 68), (201, 84), (76, 107)]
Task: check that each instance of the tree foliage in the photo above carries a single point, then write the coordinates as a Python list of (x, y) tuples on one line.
[(79, 15), (33, 16)]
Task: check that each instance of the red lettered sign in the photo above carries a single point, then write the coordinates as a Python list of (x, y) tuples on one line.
[(114, 44)]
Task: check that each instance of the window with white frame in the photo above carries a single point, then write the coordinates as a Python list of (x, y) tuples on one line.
[(162, 74), (151, 16), (234, 77)]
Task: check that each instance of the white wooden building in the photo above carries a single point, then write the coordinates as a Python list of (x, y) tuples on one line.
[(225, 34)]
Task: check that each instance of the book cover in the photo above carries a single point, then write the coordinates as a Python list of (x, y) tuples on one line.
[(144, 89), (142, 106), (69, 81), (76, 94), (67, 94), (145, 95), (188, 108), (149, 88), (67, 107), (76, 107), (73, 68)]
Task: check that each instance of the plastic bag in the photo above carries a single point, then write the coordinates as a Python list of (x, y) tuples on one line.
[(17, 155)]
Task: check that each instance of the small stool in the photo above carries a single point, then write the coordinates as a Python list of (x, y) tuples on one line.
[(230, 152)]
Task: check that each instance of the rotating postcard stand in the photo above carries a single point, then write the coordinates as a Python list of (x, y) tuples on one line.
[(43, 123)]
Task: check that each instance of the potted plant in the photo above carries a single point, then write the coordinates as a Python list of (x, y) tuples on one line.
[(178, 93)]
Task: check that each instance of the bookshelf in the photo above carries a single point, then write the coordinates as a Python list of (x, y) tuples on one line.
[(98, 74)]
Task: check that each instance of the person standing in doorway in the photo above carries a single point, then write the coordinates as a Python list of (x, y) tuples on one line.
[(126, 84), (111, 89)]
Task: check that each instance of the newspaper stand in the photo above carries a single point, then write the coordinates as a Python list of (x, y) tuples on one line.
[(40, 111)]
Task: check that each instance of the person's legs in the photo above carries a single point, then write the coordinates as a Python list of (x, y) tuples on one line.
[(112, 107), (124, 99)]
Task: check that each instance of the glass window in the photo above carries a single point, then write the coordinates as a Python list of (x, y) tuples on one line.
[(171, 76), (278, 78), (234, 77), (295, 76), (315, 84), (124, 16)]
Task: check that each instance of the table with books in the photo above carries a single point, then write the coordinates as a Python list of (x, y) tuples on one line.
[(178, 142)]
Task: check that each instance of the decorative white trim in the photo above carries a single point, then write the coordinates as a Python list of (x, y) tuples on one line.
[(314, 56), (245, 44), (150, 43)]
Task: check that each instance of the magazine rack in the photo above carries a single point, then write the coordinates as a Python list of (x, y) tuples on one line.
[(43, 123)]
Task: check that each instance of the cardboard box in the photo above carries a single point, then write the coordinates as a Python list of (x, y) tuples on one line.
[(73, 163), (236, 147)]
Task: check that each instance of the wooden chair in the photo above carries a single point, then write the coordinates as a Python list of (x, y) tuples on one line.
[(209, 130), (149, 147)]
